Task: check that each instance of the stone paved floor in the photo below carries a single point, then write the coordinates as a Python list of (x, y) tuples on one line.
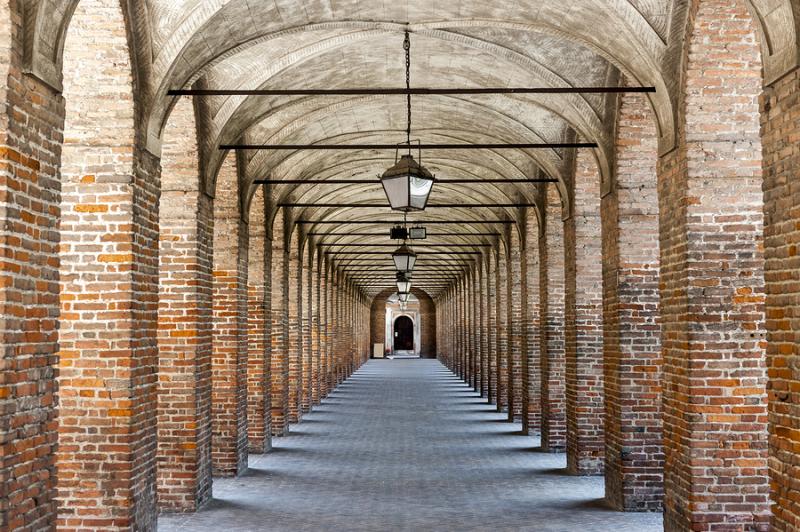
[(404, 445)]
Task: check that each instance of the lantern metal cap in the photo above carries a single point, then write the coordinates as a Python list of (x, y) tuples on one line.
[(408, 166)]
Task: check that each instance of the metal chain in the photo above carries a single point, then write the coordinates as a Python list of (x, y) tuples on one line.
[(407, 48)]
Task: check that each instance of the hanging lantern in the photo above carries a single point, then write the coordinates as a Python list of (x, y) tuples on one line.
[(403, 297), (404, 259), (403, 282), (407, 185)]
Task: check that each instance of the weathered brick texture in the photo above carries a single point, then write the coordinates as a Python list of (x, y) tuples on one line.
[(583, 324), (305, 301), (712, 289), (316, 336), (501, 311), (551, 318), (279, 363), (494, 337), (259, 327), (229, 442), (109, 286), (184, 321), (294, 316), (518, 332), (485, 339), (532, 374), (780, 124), (631, 326)]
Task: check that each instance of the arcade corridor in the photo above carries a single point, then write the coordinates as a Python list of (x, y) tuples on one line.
[(406, 445)]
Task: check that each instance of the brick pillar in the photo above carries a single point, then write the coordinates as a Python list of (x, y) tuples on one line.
[(712, 289), (780, 105), (259, 327), (551, 317), (483, 291), (501, 302), (306, 300), (229, 351), (469, 294), (108, 359), (517, 330), (29, 288), (532, 376), (325, 327), (631, 328), (584, 322), (316, 329), (279, 356), (494, 336), (184, 321), (294, 317)]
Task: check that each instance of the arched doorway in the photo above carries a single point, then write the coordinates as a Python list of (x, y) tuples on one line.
[(403, 334)]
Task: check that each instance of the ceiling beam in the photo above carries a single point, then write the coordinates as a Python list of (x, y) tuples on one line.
[(368, 245), (374, 182), (421, 91), (426, 147), (401, 222), (429, 206)]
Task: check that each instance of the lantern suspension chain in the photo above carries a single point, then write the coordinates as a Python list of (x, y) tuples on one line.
[(407, 48)]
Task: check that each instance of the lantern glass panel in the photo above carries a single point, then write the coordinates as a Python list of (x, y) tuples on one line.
[(397, 190)]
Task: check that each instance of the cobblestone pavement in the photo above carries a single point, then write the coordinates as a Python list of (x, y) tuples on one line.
[(405, 445)]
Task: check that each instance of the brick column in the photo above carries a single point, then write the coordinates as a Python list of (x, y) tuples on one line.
[(780, 107), (29, 288), (229, 351), (532, 376), (259, 327), (494, 337), (184, 321), (279, 359), (517, 331), (316, 329), (325, 328), (294, 317), (712, 284), (501, 303), (584, 322), (108, 359), (551, 317), (631, 328), (306, 301), (483, 291)]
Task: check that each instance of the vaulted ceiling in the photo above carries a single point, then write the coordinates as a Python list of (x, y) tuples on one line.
[(328, 44)]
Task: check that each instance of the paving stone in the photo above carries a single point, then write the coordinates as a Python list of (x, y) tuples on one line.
[(405, 445)]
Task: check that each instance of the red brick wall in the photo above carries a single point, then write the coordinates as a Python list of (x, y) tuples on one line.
[(712, 295), (294, 317), (532, 375), (259, 327), (501, 311), (184, 321), (230, 327), (486, 331), (377, 322), (306, 296), (279, 362), (583, 325), (780, 118), (631, 323), (494, 338), (551, 316), (109, 282), (517, 300)]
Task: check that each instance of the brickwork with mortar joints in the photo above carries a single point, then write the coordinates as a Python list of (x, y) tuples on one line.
[(259, 327), (494, 337), (229, 441), (184, 321), (316, 336), (308, 357), (631, 326), (780, 120), (279, 360), (584, 322), (551, 318), (294, 317), (532, 372), (501, 305), (517, 330), (107, 364), (712, 282), (485, 338)]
